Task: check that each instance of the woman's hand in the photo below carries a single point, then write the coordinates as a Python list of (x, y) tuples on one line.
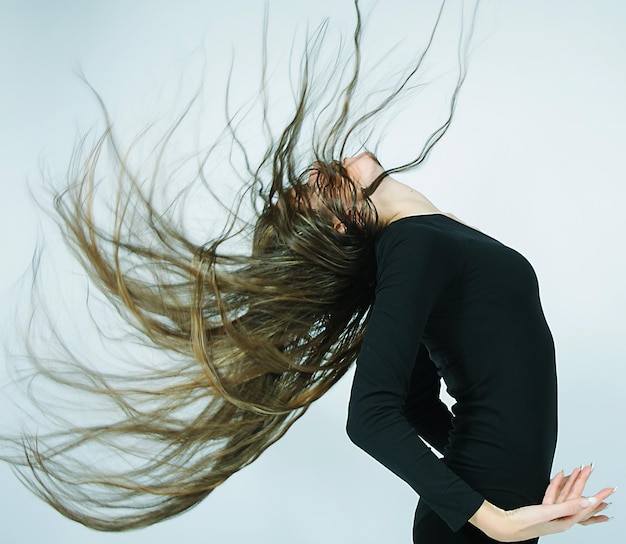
[(563, 506), (563, 488)]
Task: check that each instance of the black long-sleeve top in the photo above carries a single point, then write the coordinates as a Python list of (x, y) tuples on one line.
[(453, 303)]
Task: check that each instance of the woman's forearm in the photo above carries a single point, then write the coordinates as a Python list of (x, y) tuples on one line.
[(489, 519)]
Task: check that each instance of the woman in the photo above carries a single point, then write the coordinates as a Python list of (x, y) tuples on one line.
[(250, 339), (449, 293)]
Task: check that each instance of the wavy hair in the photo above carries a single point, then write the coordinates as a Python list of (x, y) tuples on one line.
[(248, 338)]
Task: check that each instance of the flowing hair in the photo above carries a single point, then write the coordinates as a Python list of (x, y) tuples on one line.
[(248, 338)]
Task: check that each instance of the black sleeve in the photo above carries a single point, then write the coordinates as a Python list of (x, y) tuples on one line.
[(424, 409), (415, 264)]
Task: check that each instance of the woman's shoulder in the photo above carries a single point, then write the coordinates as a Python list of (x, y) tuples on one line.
[(419, 236), (424, 247)]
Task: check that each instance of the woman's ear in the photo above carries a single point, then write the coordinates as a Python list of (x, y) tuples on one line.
[(340, 227)]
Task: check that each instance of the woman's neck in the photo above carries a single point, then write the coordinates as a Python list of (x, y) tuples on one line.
[(394, 200)]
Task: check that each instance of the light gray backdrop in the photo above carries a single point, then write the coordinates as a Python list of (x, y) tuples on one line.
[(535, 158)]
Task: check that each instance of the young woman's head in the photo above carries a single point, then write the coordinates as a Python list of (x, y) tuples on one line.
[(340, 192), (317, 235)]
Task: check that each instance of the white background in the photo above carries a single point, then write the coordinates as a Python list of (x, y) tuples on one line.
[(534, 158)]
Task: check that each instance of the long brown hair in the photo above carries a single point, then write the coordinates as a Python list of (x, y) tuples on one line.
[(248, 338)]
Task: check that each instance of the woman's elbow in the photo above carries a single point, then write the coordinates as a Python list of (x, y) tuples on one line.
[(352, 429), (356, 426)]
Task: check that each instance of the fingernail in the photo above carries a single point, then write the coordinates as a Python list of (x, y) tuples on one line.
[(591, 465), (614, 490), (588, 501), (581, 467)]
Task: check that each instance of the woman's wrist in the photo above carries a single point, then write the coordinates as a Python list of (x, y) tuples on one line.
[(489, 519)]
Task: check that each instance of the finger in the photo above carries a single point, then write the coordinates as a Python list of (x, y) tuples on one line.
[(565, 509), (575, 509), (562, 497), (603, 494), (563, 483), (579, 485), (594, 502), (559, 487), (602, 506), (595, 519), (553, 489)]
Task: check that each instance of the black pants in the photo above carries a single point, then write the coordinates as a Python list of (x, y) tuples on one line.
[(429, 528)]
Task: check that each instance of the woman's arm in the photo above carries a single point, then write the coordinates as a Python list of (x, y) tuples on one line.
[(423, 408), (416, 264)]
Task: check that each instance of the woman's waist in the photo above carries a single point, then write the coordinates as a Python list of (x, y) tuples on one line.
[(525, 478), (519, 463)]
